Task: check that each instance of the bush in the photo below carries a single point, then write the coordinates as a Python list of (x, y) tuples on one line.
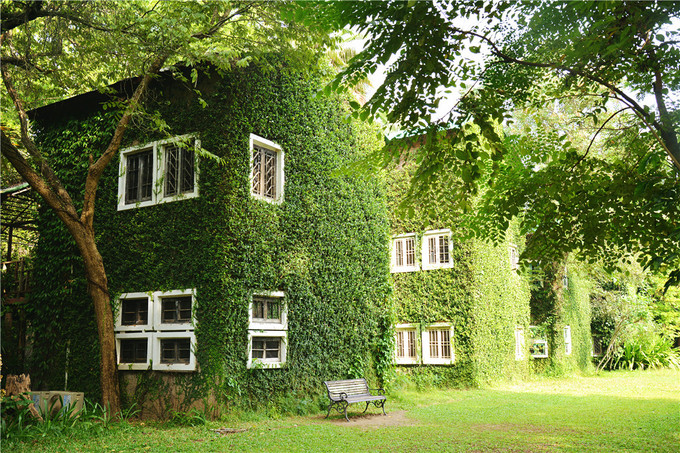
[(648, 351)]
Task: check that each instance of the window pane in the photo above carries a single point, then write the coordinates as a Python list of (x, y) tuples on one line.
[(412, 344), (400, 344), (146, 165), (445, 344), (399, 252), (258, 308), (434, 343), (258, 348), (187, 173), (410, 251), (138, 177), (134, 312), (133, 350), (273, 310), (176, 309), (443, 249), (132, 179), (432, 248), (171, 169), (269, 182)]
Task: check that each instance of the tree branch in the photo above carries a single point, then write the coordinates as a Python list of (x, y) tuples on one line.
[(96, 169), (592, 140), (50, 178), (666, 133)]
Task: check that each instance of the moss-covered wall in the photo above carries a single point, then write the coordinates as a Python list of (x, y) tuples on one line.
[(324, 246)]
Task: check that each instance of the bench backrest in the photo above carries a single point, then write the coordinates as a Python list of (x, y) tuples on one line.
[(348, 386)]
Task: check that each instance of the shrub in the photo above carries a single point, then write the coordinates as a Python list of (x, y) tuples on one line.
[(648, 351)]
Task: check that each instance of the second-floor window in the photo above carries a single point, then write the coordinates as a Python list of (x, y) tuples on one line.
[(437, 249), (158, 172), (179, 169), (266, 164), (404, 253), (139, 177)]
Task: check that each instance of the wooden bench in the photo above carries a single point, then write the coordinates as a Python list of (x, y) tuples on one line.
[(343, 393)]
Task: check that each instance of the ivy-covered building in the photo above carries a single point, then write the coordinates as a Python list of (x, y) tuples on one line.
[(241, 266), (466, 314)]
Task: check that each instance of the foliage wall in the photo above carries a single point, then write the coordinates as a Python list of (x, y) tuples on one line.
[(324, 246), (561, 297), (481, 296)]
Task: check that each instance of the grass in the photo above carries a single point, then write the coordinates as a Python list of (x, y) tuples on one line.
[(614, 412)]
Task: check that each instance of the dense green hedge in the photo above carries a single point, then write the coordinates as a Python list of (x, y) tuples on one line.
[(325, 245)]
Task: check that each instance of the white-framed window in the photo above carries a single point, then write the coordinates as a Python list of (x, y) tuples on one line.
[(567, 340), (437, 343), (404, 253), (437, 249), (267, 329), (173, 310), (405, 344), (135, 313), (267, 348), (155, 330), (158, 172), (539, 344), (268, 311), (266, 169), (134, 350), (520, 343), (514, 257), (174, 351)]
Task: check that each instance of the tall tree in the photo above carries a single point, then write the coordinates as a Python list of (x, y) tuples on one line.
[(52, 50), (621, 59)]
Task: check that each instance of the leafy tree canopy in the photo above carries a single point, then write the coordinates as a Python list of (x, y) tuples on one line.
[(612, 192)]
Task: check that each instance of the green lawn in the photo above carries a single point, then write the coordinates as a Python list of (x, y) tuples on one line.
[(618, 411)]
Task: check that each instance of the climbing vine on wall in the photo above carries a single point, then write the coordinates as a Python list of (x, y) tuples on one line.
[(324, 246)]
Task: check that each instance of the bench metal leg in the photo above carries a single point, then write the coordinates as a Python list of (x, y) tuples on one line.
[(340, 406), (367, 402)]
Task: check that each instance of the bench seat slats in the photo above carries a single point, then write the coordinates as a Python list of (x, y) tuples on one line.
[(345, 392)]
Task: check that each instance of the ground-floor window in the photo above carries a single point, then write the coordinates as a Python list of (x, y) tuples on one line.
[(155, 330), (267, 330), (437, 341), (406, 344)]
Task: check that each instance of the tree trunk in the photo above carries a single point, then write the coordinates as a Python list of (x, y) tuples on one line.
[(98, 289)]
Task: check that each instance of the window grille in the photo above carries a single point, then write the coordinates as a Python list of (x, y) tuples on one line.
[(133, 350), (443, 249), (264, 172), (139, 177), (179, 170), (432, 243), (399, 253), (176, 309), (266, 348), (175, 350), (266, 308), (134, 311)]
